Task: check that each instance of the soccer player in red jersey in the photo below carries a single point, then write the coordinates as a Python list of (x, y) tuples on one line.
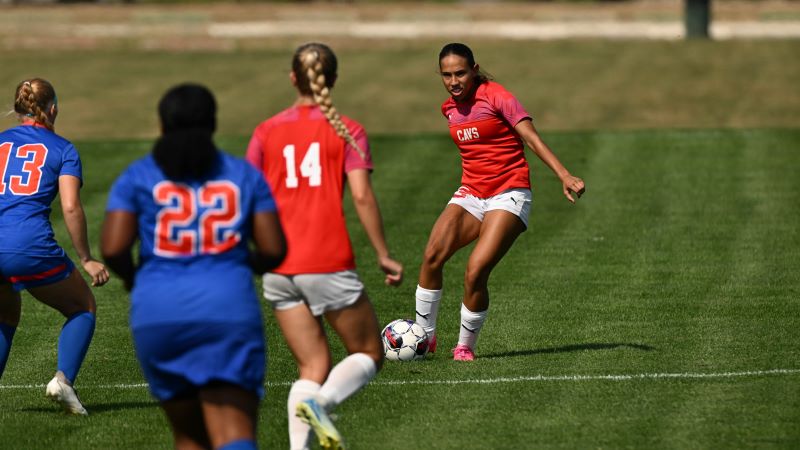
[(307, 152), (490, 128)]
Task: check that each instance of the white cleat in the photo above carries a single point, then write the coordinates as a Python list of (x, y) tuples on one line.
[(60, 391)]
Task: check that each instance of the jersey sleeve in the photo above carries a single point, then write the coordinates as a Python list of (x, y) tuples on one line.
[(352, 160), (71, 163), (122, 196), (263, 199), (509, 107), (255, 152)]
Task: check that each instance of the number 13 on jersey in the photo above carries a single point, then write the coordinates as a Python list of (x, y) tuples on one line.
[(26, 183)]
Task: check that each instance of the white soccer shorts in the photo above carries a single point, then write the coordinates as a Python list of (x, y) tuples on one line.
[(516, 201), (320, 291)]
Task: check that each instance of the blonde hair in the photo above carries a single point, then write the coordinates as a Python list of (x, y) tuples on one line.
[(32, 99), (314, 66)]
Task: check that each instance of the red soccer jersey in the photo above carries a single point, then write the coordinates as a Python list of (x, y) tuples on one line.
[(305, 163), (492, 154)]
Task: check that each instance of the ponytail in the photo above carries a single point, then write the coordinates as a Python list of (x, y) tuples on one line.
[(315, 64)]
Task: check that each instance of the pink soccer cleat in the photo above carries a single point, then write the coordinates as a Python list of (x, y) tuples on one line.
[(463, 353), (432, 344)]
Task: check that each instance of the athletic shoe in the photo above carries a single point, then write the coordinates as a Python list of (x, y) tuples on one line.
[(310, 412), (60, 391), (432, 345), (463, 353)]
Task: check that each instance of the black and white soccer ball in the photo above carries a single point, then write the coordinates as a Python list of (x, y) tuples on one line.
[(404, 340)]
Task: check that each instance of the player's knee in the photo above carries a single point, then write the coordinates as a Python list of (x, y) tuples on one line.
[(434, 257), (79, 304), (477, 275), (378, 359), (316, 371), (375, 352), (89, 304)]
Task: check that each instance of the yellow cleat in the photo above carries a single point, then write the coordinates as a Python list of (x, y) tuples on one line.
[(310, 412)]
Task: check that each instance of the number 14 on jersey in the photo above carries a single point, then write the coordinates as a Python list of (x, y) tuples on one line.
[(309, 168)]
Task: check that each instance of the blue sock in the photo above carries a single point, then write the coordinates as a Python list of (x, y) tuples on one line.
[(6, 336), (242, 444), (76, 335)]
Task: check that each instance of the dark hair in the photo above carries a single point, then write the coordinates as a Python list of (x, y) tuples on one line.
[(459, 49), (188, 114)]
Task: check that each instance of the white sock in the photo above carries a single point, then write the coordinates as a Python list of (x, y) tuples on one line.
[(471, 323), (345, 379), (427, 308), (299, 431)]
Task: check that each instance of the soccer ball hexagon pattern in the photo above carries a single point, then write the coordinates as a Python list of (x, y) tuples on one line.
[(404, 340)]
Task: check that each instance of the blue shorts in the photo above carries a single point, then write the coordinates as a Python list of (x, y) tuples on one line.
[(27, 271), (180, 358)]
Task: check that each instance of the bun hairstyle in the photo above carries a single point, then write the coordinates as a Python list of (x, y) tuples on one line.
[(459, 49), (33, 98), (186, 149), (314, 66)]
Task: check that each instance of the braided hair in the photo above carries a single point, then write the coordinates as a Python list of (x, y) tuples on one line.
[(314, 66), (33, 98)]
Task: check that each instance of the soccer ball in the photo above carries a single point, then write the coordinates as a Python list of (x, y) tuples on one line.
[(404, 340)]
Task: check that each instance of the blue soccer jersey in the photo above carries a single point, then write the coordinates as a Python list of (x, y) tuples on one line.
[(193, 241), (32, 158)]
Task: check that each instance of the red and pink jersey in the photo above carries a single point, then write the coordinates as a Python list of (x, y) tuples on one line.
[(305, 163), (492, 154)]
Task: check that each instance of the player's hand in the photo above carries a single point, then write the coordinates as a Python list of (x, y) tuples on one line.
[(97, 271), (392, 269), (573, 185)]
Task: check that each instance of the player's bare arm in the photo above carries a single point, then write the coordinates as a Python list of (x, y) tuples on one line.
[(75, 220), (116, 240), (570, 183), (370, 215)]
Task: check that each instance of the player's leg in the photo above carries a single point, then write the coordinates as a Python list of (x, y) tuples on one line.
[(454, 229), (498, 232), (305, 337), (185, 416), (10, 306), (72, 298), (230, 414), (358, 328)]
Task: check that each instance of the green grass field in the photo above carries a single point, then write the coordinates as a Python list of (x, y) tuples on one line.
[(392, 86), (661, 311)]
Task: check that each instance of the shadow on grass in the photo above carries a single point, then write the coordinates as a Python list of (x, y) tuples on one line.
[(569, 348), (98, 408)]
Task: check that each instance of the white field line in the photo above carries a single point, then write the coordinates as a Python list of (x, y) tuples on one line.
[(522, 379)]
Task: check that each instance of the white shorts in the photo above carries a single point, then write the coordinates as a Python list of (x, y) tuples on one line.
[(320, 291), (516, 201)]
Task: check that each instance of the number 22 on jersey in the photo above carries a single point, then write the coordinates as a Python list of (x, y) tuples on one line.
[(309, 168), (179, 231), (34, 156)]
